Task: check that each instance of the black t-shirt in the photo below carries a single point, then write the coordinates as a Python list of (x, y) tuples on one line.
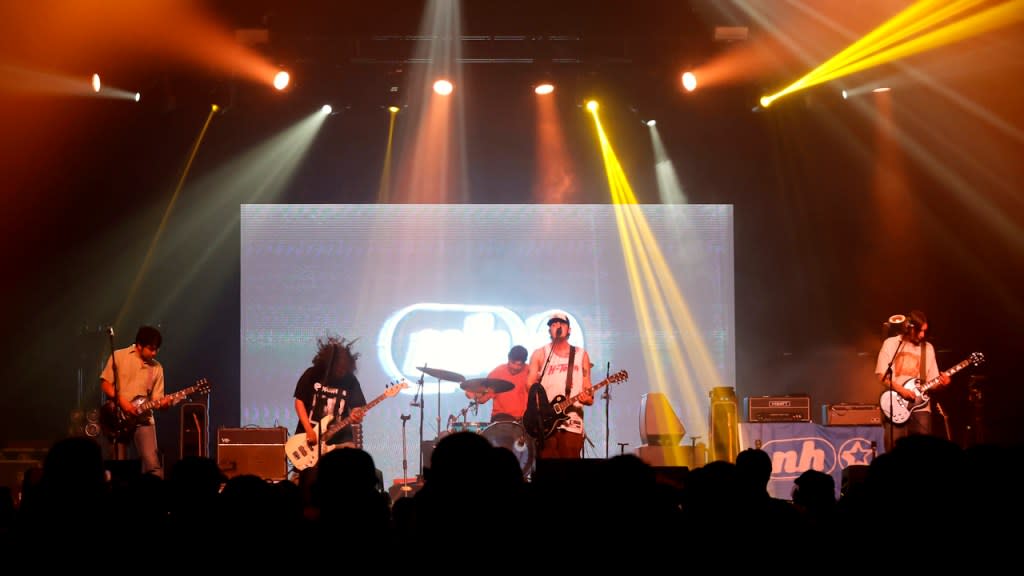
[(344, 393)]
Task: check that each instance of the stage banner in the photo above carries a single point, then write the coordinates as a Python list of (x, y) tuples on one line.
[(799, 446)]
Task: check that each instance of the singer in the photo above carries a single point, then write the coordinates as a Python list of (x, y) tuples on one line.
[(329, 387), (562, 370), (915, 362)]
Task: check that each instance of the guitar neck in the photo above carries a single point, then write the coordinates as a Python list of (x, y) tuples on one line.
[(344, 422), (150, 404), (561, 406), (935, 381)]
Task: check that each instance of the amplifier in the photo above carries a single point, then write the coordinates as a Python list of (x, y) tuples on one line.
[(795, 408), (851, 414), (258, 451)]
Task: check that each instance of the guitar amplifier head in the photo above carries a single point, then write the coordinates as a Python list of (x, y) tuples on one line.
[(851, 414), (793, 408)]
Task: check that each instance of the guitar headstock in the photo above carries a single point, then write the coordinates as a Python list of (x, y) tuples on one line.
[(618, 377), (395, 387), (977, 358), (202, 386)]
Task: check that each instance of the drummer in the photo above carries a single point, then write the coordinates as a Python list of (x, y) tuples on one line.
[(508, 405)]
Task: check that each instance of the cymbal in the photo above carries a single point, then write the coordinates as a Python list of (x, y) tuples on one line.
[(442, 374), (479, 385)]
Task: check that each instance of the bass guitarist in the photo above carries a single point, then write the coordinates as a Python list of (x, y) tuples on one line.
[(909, 357), (132, 372), (562, 370), (330, 386)]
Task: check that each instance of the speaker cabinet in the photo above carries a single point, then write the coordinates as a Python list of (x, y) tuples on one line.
[(258, 451)]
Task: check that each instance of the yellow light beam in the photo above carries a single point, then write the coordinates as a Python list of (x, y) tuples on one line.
[(670, 344), (985, 21), (385, 177), (163, 221), (843, 64), (890, 33)]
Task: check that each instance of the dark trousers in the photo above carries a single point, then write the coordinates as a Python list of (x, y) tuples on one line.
[(920, 422)]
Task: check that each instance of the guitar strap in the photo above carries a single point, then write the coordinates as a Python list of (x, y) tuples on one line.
[(923, 368), (568, 375)]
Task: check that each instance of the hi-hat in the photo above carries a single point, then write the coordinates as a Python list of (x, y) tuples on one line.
[(480, 385), (442, 374)]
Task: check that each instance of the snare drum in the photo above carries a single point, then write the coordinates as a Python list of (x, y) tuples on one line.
[(511, 435), (474, 427)]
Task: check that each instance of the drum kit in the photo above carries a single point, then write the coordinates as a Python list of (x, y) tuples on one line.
[(510, 434)]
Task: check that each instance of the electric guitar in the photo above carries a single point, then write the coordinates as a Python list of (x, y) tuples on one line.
[(117, 425), (303, 456), (898, 409), (542, 421)]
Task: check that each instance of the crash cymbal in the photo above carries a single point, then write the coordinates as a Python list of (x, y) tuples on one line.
[(480, 385), (442, 374)]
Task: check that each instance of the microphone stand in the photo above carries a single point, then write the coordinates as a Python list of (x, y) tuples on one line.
[(888, 377), (317, 392), (405, 462), (417, 402), (116, 437), (607, 400), (540, 417)]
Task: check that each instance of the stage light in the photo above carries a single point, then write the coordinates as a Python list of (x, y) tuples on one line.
[(845, 95), (326, 109), (592, 105), (443, 87), (881, 89), (545, 88), (393, 109), (651, 123), (96, 85), (281, 80), (689, 81), (138, 96), (214, 107)]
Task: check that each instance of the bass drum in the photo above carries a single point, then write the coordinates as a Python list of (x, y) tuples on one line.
[(511, 435)]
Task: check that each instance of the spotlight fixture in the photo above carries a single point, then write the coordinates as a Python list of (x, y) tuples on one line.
[(689, 81), (443, 87), (281, 80), (96, 84), (544, 88)]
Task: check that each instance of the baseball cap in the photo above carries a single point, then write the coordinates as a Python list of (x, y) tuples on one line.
[(558, 317)]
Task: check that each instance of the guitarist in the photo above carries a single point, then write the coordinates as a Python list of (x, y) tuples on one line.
[(558, 379), (329, 386), (138, 374), (903, 353)]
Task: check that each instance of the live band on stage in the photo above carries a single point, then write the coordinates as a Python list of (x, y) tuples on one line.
[(537, 405)]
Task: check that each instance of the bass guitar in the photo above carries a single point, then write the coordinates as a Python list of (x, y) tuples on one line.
[(302, 455), (117, 425), (542, 417), (898, 409)]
